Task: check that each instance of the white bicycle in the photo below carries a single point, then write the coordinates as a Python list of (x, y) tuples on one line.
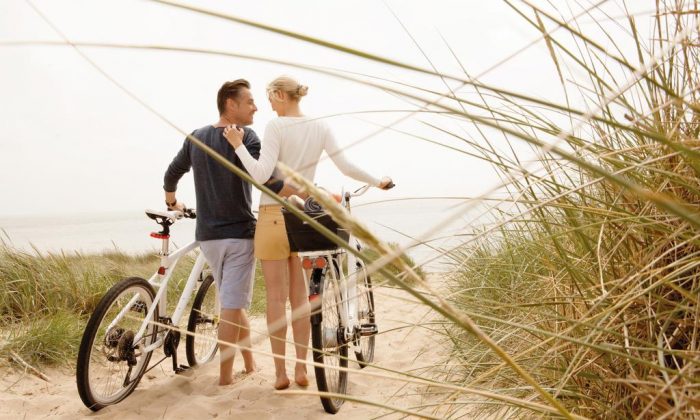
[(131, 321), (342, 312)]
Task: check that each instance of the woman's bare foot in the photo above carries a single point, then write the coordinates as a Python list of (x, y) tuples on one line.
[(282, 382), (300, 375)]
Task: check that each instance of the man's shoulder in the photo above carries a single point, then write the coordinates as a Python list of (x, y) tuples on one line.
[(207, 130), (249, 135), (211, 132)]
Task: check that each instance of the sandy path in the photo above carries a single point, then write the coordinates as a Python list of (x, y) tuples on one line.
[(162, 394)]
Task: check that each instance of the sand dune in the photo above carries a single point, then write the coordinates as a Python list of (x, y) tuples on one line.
[(162, 394)]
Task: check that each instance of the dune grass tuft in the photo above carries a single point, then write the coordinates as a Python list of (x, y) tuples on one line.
[(590, 285), (46, 300)]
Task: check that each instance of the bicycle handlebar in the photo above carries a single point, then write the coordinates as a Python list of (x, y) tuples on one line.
[(363, 189), (190, 213), (186, 213)]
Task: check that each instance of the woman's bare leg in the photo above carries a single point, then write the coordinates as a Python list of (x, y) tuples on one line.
[(301, 327), (275, 273)]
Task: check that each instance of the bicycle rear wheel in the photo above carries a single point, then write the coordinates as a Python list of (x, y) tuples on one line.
[(366, 316), (330, 352), (201, 345), (110, 362)]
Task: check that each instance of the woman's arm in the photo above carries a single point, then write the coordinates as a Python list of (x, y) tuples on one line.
[(260, 169), (343, 163)]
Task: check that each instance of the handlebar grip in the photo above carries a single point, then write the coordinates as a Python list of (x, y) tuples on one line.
[(190, 213)]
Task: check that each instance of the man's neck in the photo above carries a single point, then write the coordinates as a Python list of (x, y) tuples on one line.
[(224, 121)]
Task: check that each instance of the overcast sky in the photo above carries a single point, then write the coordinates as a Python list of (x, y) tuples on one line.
[(73, 142)]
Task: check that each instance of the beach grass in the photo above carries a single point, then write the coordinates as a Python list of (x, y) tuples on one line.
[(373, 255), (46, 299), (590, 280)]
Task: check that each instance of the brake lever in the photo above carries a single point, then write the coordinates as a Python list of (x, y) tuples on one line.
[(190, 213), (364, 187)]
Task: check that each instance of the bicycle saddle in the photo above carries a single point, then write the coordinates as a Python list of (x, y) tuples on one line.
[(161, 216)]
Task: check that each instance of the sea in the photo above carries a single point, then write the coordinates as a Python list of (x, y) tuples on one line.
[(129, 231)]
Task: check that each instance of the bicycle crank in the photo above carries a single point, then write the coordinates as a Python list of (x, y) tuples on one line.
[(172, 340)]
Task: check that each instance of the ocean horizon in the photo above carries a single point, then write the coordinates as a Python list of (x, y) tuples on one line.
[(129, 231)]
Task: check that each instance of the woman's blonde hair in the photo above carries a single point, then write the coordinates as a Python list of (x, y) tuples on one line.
[(288, 85)]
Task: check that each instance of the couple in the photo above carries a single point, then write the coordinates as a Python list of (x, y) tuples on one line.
[(226, 225)]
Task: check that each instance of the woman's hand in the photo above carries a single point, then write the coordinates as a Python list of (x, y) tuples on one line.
[(386, 183), (234, 135)]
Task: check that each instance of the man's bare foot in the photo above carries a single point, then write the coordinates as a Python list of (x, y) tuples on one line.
[(300, 375), (250, 368), (282, 382), (225, 381)]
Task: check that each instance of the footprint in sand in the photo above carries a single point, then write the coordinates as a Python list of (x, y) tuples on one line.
[(184, 384), (253, 392)]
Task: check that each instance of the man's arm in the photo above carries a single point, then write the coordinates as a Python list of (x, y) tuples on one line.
[(180, 165)]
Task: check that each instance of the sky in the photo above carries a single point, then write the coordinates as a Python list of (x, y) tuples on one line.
[(74, 142)]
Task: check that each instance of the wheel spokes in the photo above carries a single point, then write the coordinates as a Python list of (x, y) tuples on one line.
[(114, 353)]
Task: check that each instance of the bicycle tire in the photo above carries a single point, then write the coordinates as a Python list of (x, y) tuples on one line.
[(108, 354), (366, 315), (201, 345), (329, 349)]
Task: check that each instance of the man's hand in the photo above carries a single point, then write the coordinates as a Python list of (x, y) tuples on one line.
[(234, 135), (386, 183), (178, 206), (172, 203)]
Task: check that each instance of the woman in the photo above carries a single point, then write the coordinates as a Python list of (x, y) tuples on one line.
[(297, 141)]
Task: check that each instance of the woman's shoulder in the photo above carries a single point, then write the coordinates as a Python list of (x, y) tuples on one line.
[(276, 121), (304, 122)]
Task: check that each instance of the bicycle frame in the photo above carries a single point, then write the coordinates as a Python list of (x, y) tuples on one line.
[(347, 285), (160, 281)]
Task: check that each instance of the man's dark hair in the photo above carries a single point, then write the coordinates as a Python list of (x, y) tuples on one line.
[(230, 90)]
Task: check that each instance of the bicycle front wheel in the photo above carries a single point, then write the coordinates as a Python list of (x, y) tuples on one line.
[(366, 316), (203, 326), (330, 351), (110, 360)]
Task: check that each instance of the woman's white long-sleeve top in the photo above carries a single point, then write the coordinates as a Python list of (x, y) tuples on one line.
[(298, 143)]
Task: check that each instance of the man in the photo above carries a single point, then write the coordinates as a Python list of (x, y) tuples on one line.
[(225, 222)]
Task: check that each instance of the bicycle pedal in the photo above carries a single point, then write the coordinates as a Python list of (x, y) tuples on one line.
[(368, 329), (139, 306), (181, 369)]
